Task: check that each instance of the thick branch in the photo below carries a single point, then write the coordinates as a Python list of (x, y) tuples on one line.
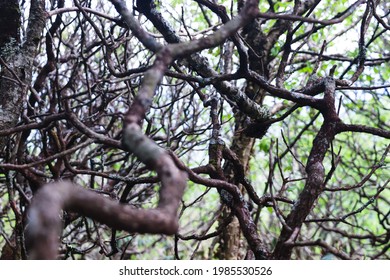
[(364, 129), (201, 66), (315, 173), (44, 220)]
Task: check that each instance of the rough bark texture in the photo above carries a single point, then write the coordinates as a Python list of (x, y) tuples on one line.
[(315, 173), (17, 60), (230, 246)]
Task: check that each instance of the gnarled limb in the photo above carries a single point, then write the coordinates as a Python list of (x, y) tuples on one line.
[(44, 224), (315, 172)]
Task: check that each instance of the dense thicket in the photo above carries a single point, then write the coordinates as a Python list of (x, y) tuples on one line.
[(194, 129)]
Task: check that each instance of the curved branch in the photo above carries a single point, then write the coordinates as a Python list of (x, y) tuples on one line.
[(315, 173), (44, 217), (201, 66), (342, 127)]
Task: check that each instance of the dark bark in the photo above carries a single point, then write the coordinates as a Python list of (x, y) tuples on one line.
[(17, 60), (9, 24), (315, 173)]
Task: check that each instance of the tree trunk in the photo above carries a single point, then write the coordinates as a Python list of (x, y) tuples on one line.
[(16, 67)]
